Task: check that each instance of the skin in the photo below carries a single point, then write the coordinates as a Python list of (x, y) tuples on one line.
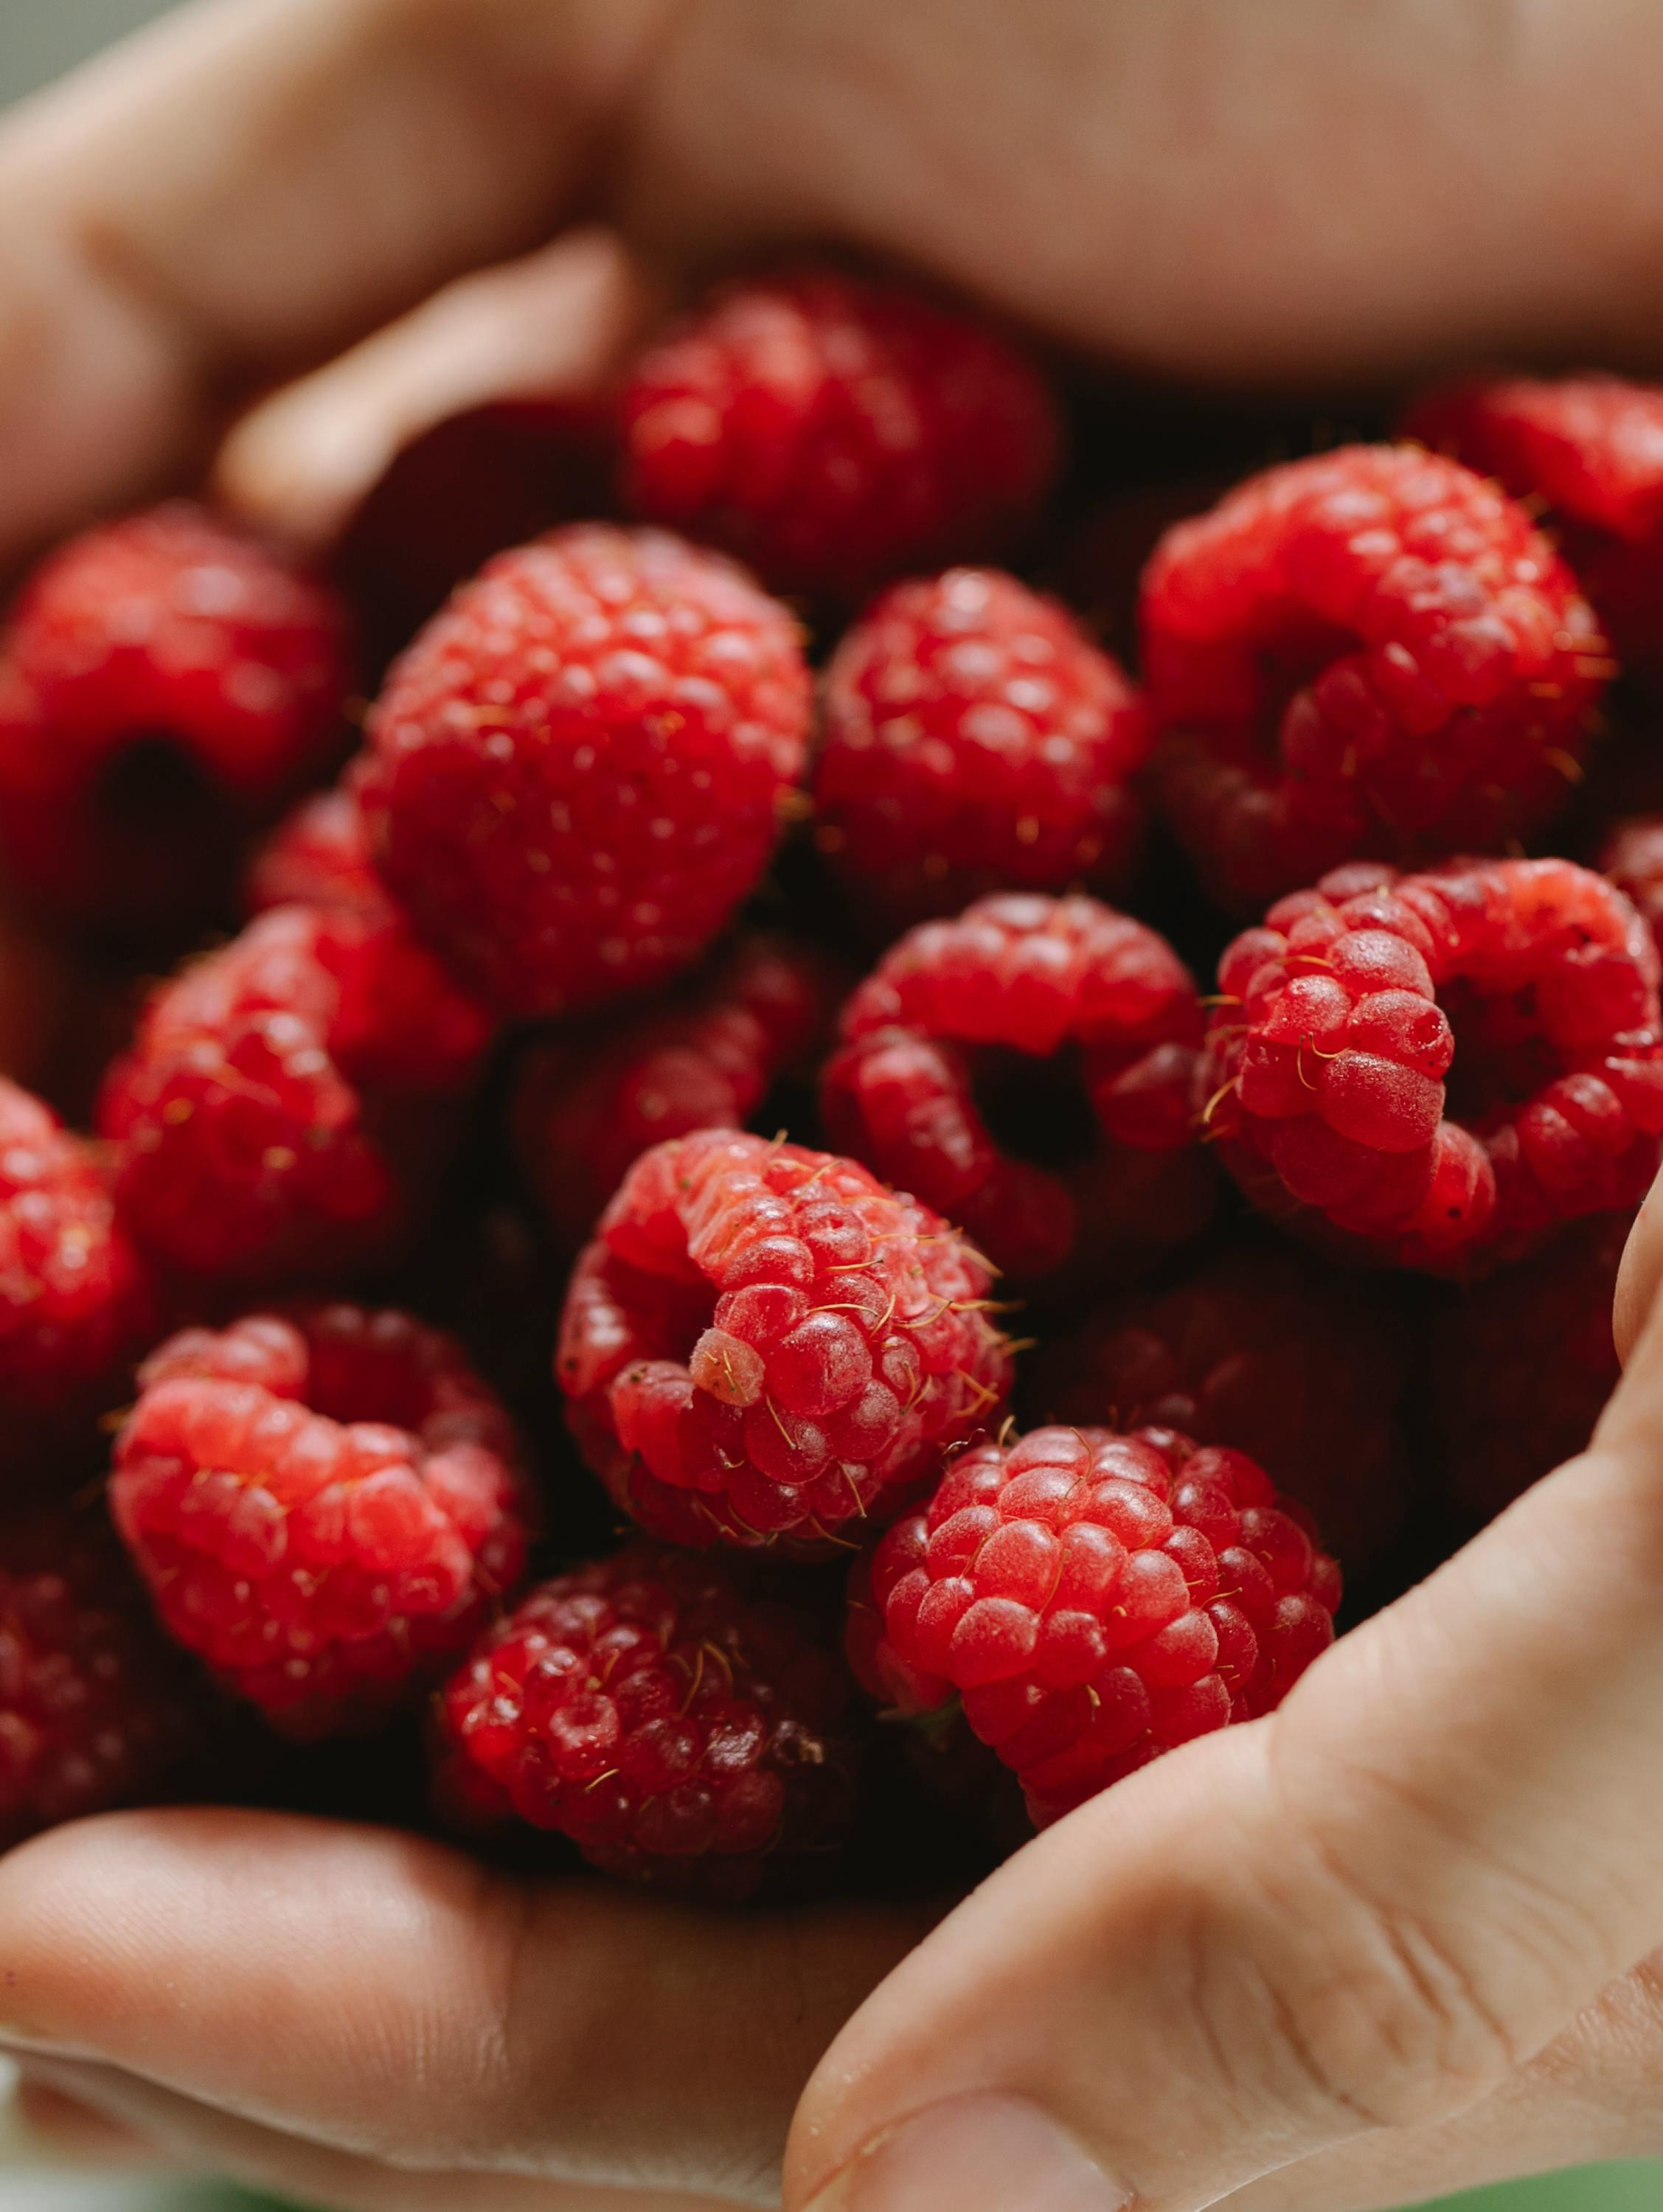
[(1401, 1937)]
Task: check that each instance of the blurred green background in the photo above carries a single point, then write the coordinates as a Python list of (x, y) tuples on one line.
[(39, 39)]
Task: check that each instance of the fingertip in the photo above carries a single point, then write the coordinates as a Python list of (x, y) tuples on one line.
[(1640, 1274)]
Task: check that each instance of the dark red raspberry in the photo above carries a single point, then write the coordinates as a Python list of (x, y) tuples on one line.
[(75, 1301), (1632, 856), (1523, 1365), (764, 1342), (164, 681), (317, 856), (677, 1733), (326, 1504), (1095, 1599), (1442, 1066), (1373, 652), (288, 1099), (95, 1707), (1301, 1364), (836, 430), (975, 739), (1587, 451), (578, 768), (1029, 1070), (586, 1107)]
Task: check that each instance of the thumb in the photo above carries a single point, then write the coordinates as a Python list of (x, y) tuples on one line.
[(1362, 1913)]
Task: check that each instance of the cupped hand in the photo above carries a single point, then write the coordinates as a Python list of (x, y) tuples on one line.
[(1392, 1940)]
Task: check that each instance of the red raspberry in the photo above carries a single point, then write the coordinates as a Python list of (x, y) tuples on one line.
[(1371, 652), (318, 856), (675, 1731), (95, 1707), (1096, 1599), (836, 430), (577, 770), (1588, 450), (974, 739), (1523, 1365), (326, 1504), (288, 1097), (74, 1300), (1032, 1031), (163, 681), (1442, 1065), (1632, 856), (765, 1342), (1301, 1365), (585, 1108)]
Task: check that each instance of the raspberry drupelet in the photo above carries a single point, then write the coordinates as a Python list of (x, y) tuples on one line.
[(165, 681), (327, 1502), (96, 1706), (1054, 1028), (1373, 652), (1523, 1363), (1442, 1066), (764, 1343), (288, 1099), (1587, 452), (1302, 1365), (675, 1731), (317, 856), (75, 1298), (586, 1106), (837, 430), (1095, 1599), (1632, 856), (578, 770), (975, 739)]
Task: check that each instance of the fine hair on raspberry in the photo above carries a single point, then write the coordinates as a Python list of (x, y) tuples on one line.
[(764, 1343)]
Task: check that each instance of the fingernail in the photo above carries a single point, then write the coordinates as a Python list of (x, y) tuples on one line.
[(986, 2153)]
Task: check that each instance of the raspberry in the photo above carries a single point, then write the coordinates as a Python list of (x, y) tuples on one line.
[(1632, 856), (1443, 1066), (1095, 1599), (764, 1342), (164, 681), (1369, 652), (75, 1299), (288, 1099), (677, 1733), (836, 431), (95, 1707), (975, 739), (1523, 1365), (577, 770), (1588, 449), (584, 1109), (1069, 1029), (317, 856), (325, 1501), (1301, 1365)]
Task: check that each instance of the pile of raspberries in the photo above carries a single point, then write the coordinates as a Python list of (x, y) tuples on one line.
[(772, 1156)]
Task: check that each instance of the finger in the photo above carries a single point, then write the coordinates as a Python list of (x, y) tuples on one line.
[(72, 2127), (200, 2139), (1641, 1273), (252, 184), (387, 1997), (552, 325), (1361, 1914)]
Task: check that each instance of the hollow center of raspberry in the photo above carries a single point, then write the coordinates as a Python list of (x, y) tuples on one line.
[(1036, 1109), (155, 793), (1502, 1058)]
